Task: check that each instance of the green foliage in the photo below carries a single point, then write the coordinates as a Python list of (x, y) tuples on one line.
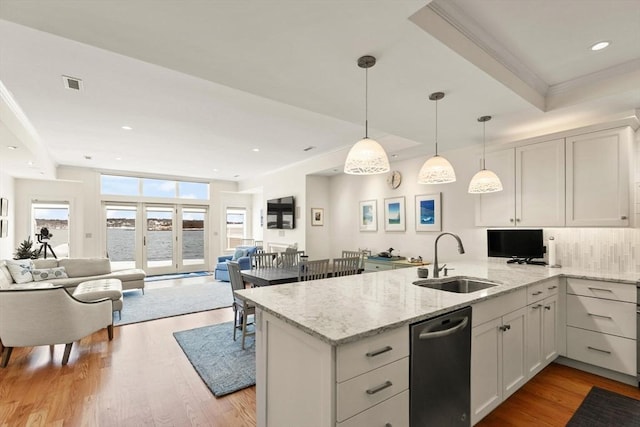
[(25, 250)]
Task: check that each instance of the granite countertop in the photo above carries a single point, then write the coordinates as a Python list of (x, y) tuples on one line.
[(345, 309)]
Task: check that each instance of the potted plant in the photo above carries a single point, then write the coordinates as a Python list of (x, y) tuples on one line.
[(25, 250)]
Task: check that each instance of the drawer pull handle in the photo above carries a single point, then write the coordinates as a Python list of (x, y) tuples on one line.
[(379, 351), (552, 287), (536, 293), (380, 387), (600, 289), (536, 306), (600, 315), (597, 349), (388, 425)]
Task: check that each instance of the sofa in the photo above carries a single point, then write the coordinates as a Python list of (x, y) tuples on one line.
[(69, 273), (242, 255)]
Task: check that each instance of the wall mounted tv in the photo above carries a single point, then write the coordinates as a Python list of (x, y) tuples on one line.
[(281, 213), (522, 246)]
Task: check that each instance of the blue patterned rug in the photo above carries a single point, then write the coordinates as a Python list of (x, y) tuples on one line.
[(173, 301), (219, 360)]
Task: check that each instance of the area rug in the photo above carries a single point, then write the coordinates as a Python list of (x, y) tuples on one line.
[(176, 276), (219, 360), (605, 408), (173, 301)]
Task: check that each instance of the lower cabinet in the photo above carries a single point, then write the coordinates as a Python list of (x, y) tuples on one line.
[(542, 334), (497, 362)]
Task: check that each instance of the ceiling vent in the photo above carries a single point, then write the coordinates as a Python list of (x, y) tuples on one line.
[(72, 83), (309, 148)]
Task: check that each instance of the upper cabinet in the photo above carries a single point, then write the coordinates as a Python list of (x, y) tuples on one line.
[(598, 183), (579, 181), (533, 180)]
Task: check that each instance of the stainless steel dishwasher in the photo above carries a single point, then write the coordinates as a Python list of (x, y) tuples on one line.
[(440, 370)]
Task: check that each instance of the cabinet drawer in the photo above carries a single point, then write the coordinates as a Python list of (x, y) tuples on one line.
[(601, 289), (551, 286), (394, 412), (606, 351), (367, 390), (536, 292), (602, 315), (362, 356), (374, 266), (498, 306)]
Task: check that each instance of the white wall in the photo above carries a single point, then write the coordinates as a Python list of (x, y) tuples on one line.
[(8, 244), (318, 238)]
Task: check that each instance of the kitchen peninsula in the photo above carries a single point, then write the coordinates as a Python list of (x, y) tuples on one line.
[(312, 337)]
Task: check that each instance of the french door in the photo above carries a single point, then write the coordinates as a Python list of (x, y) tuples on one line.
[(159, 238)]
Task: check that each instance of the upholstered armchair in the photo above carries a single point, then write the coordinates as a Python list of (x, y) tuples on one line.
[(241, 255), (47, 316)]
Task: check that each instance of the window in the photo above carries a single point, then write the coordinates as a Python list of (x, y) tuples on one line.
[(120, 185), (193, 190), (158, 188), (236, 227), (149, 187)]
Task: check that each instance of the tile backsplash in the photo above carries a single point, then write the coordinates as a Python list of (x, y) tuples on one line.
[(613, 249)]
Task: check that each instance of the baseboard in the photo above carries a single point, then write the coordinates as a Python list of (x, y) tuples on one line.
[(597, 370)]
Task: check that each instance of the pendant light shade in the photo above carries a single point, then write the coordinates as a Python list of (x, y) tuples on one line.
[(366, 157), (436, 170), (484, 181)]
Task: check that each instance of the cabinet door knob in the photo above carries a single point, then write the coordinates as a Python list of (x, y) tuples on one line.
[(623, 217), (517, 219), (547, 307), (536, 306), (510, 219)]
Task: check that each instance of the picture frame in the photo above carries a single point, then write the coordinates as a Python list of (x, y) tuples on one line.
[(4, 228), (317, 216), (394, 214), (429, 212), (4, 207), (368, 215)]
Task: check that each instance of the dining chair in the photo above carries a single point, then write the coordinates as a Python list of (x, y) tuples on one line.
[(263, 260), (290, 258), (345, 266), (241, 309), (313, 270), (359, 254)]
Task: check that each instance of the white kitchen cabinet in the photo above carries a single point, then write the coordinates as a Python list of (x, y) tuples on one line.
[(533, 187), (601, 324), (323, 385), (542, 334), (498, 364), (598, 181)]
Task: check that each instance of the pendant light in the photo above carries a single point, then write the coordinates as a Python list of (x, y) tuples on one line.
[(366, 157), (485, 181), (436, 170)]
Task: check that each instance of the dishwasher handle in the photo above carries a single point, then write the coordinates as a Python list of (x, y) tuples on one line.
[(445, 332)]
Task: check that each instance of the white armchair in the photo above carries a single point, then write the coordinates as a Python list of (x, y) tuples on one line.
[(47, 316)]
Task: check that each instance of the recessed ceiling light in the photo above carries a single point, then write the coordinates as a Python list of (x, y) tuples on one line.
[(256, 150), (236, 176), (600, 45), (12, 147), (118, 158), (215, 170), (127, 128), (30, 163), (394, 155)]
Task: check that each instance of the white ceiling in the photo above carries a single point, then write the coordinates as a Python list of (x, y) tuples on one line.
[(203, 83)]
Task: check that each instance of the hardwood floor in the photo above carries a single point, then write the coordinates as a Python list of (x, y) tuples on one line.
[(142, 378)]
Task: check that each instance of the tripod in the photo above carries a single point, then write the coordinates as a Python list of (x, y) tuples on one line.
[(44, 245)]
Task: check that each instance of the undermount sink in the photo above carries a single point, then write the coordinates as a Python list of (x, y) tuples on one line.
[(460, 285)]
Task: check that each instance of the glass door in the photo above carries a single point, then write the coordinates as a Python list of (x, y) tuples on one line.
[(194, 244), (158, 240), (121, 236), (50, 222)]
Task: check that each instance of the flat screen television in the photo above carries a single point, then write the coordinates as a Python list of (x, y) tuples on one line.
[(524, 245), (281, 213)]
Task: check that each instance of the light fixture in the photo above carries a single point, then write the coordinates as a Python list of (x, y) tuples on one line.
[(600, 45), (366, 157), (255, 150), (484, 181), (436, 170), (127, 127), (12, 147)]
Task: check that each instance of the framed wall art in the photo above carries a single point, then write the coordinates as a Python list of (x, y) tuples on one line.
[(428, 212), (394, 214), (368, 215), (317, 216), (4, 207), (4, 228)]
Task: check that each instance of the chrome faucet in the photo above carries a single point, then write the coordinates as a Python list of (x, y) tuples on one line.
[(436, 270)]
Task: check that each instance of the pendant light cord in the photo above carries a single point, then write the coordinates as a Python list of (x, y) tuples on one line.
[(436, 127), (484, 142), (366, 103)]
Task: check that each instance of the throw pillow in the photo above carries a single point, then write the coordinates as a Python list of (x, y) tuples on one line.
[(20, 270), (40, 274), (238, 254)]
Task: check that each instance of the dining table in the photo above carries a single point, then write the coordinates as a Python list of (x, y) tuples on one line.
[(274, 275)]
